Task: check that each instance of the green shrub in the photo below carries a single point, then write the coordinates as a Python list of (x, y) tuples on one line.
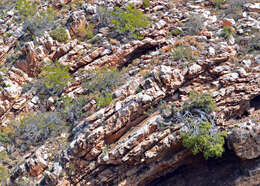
[(176, 32), (55, 77), (4, 138), (26, 8), (129, 20), (101, 83), (86, 31), (201, 138), (35, 129), (103, 80), (2, 84), (104, 99), (201, 101), (72, 110), (146, 3), (139, 89), (194, 25), (227, 32), (202, 134), (249, 45), (35, 21), (199, 132), (181, 52), (4, 175), (218, 3), (59, 34)]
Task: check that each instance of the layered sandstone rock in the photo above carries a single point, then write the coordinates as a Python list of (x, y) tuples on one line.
[(124, 143)]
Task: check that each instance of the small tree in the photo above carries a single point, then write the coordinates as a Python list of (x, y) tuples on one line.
[(55, 77), (202, 137), (35, 21), (129, 20), (59, 34), (200, 133)]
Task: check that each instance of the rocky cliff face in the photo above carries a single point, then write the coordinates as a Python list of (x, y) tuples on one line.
[(189, 46)]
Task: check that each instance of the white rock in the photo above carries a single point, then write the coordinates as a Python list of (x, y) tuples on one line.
[(212, 51), (242, 72), (2, 149), (231, 40), (257, 59), (35, 99), (18, 32), (247, 62), (160, 24), (57, 168), (194, 69), (253, 7), (12, 90), (118, 106)]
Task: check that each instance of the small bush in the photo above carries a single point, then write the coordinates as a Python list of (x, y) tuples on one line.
[(72, 110), (59, 34), (194, 25), (176, 32), (55, 78), (86, 31), (35, 21), (204, 102), (129, 20), (103, 80), (218, 3), (101, 83), (181, 52), (4, 175), (199, 132), (104, 99), (146, 3), (26, 8), (103, 16), (227, 32), (35, 129), (249, 45), (4, 138), (203, 138)]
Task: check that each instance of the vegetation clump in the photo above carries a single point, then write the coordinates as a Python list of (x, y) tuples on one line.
[(71, 110), (26, 8), (146, 3), (4, 175), (194, 25), (35, 21), (59, 34), (35, 129), (55, 78), (203, 137), (101, 83), (86, 31), (200, 134), (181, 52), (129, 20), (4, 138), (218, 3), (204, 102), (228, 32)]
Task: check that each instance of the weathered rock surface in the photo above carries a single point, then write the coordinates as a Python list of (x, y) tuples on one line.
[(245, 140), (121, 144)]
